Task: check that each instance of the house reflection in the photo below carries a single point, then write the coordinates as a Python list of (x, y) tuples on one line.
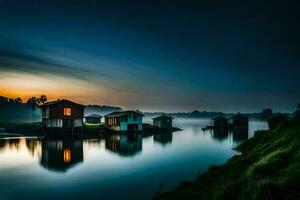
[(61, 155), (220, 134), (239, 134), (163, 138), (124, 145)]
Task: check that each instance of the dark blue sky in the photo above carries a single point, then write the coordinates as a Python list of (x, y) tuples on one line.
[(153, 54)]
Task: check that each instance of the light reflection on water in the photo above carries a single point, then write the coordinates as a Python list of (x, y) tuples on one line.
[(117, 167)]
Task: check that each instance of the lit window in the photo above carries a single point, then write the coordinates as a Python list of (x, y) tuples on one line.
[(67, 111)]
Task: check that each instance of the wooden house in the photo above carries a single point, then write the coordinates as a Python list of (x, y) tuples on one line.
[(239, 120), (93, 119), (220, 122), (124, 121), (163, 122), (62, 116)]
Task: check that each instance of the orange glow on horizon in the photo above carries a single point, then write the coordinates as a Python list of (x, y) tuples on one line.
[(26, 85), (23, 85)]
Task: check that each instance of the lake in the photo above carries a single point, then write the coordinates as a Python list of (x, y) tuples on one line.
[(118, 167)]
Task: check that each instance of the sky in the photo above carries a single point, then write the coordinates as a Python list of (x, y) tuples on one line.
[(153, 55)]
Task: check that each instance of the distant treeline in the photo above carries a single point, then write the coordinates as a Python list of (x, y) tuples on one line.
[(29, 110), (100, 109), (264, 115)]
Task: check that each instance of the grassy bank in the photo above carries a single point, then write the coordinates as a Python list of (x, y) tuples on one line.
[(268, 168)]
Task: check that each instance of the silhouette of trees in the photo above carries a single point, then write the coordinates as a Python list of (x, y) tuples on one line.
[(266, 114), (33, 102), (43, 99), (297, 112), (18, 100)]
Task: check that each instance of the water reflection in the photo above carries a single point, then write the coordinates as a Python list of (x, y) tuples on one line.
[(124, 145), (34, 146), (240, 134), (111, 164), (220, 134), (60, 155), (13, 143), (163, 138)]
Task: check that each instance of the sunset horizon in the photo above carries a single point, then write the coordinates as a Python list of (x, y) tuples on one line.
[(102, 53)]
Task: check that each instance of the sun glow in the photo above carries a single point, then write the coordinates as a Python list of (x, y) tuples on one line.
[(26, 85)]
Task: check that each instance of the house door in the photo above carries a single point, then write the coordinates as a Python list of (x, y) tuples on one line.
[(67, 123), (132, 127)]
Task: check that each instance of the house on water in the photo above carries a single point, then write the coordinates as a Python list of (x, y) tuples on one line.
[(220, 122), (124, 121), (63, 116), (93, 119), (239, 120), (163, 122)]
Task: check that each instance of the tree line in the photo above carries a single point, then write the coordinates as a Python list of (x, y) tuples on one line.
[(32, 101)]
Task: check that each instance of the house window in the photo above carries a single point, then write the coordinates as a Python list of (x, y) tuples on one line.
[(134, 117), (67, 111)]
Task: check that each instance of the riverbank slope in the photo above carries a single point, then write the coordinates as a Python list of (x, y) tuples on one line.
[(268, 168)]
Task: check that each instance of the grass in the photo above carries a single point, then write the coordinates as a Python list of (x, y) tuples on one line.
[(268, 168)]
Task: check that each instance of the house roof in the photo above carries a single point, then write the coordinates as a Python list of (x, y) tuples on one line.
[(162, 117), (50, 103), (122, 113)]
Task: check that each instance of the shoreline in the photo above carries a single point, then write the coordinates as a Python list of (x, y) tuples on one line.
[(267, 168)]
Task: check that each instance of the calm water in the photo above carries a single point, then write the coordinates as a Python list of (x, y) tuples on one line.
[(118, 167)]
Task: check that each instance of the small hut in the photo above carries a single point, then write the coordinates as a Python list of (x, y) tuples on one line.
[(220, 122), (124, 121), (239, 120), (163, 122), (93, 119), (62, 116)]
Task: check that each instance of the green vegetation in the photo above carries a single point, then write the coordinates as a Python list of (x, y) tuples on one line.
[(268, 168)]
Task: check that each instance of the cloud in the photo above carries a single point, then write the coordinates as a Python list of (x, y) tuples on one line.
[(20, 58)]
